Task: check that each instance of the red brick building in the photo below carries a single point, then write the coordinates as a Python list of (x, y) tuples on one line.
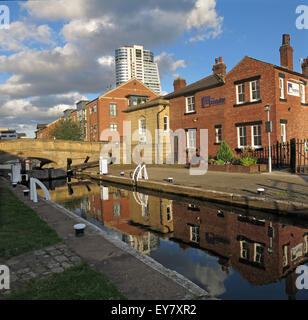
[(231, 105), (105, 112)]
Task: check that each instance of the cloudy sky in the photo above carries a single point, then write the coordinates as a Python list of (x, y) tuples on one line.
[(56, 52)]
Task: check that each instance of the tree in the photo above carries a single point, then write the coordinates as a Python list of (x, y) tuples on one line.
[(67, 130), (225, 153)]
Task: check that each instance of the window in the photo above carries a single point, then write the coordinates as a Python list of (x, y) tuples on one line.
[(142, 126), (256, 136), (254, 90), (113, 127), (166, 123), (285, 255), (244, 250), (281, 88), (303, 95), (135, 100), (117, 209), (195, 234), (240, 93), (306, 244), (283, 133), (145, 210), (95, 129), (94, 108), (190, 104), (259, 253), (112, 109), (218, 135), (242, 137), (169, 213), (191, 139)]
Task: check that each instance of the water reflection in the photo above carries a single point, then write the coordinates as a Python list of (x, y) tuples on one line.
[(231, 254)]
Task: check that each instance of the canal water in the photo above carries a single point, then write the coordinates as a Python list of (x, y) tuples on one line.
[(230, 252)]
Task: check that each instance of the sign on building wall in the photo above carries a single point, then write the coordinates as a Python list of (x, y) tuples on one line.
[(208, 102), (293, 89)]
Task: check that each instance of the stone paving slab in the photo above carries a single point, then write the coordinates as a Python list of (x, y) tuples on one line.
[(39, 264)]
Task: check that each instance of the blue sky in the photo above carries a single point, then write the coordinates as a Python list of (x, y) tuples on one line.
[(57, 52)]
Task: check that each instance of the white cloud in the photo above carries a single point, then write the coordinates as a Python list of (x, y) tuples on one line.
[(40, 67), (167, 64), (20, 34)]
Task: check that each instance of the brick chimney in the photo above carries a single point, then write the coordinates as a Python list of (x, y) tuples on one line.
[(305, 67), (219, 67), (286, 53), (179, 83)]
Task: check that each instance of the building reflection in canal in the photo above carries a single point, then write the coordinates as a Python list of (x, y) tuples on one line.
[(259, 251)]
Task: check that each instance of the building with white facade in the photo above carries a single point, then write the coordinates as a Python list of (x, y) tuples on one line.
[(135, 62)]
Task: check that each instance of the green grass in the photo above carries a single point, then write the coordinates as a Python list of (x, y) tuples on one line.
[(21, 229), (77, 283)]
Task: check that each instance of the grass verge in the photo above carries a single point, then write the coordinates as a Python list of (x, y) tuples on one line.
[(21, 229), (77, 283)]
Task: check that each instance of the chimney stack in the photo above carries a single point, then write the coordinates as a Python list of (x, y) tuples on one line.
[(286, 53), (305, 67), (219, 67), (179, 83)]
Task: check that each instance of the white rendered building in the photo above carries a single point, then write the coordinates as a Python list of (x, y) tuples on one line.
[(135, 62)]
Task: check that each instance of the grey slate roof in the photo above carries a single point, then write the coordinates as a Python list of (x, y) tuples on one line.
[(205, 83)]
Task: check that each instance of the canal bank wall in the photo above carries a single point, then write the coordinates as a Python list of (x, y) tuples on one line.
[(255, 202)]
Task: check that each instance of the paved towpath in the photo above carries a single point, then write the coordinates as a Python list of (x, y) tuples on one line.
[(137, 276), (280, 185)]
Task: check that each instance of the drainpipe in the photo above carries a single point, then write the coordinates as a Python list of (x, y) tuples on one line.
[(157, 117)]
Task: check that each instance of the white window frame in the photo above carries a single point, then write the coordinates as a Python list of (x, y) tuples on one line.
[(257, 255), (218, 137), (253, 136), (257, 82), (166, 123), (94, 108), (112, 110), (244, 252), (285, 255), (239, 137), (283, 132), (169, 214), (189, 140), (281, 88), (303, 93), (142, 129), (190, 102), (194, 234), (113, 127), (238, 93)]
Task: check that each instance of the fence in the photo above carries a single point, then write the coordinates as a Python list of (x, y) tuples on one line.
[(292, 154)]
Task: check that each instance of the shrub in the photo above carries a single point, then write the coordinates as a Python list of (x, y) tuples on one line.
[(236, 161), (225, 153), (219, 162), (247, 161)]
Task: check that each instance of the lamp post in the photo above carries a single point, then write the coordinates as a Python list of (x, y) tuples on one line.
[(268, 125)]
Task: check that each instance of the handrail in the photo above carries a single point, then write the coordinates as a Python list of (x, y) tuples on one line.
[(33, 193), (138, 173)]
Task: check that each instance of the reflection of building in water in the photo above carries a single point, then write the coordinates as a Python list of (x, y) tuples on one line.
[(144, 244), (151, 212), (111, 207), (260, 250)]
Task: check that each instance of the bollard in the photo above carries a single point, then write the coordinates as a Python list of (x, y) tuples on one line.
[(26, 192), (79, 229)]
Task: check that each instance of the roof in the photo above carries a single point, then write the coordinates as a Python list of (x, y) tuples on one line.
[(149, 104), (205, 83), (280, 68)]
